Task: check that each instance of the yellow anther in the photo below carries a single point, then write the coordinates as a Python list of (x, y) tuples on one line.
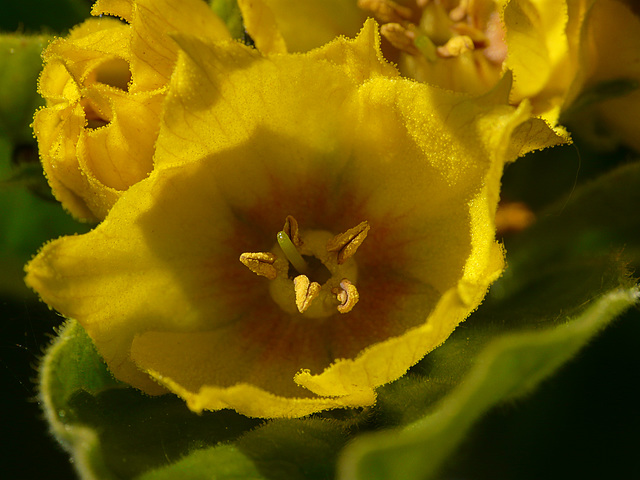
[(455, 47), (347, 295), (386, 11), (401, 38), (460, 12), (348, 242), (291, 229), (260, 263), (477, 36), (305, 291)]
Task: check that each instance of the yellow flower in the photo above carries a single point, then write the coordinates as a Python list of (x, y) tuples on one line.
[(609, 59), (466, 45), (383, 190), (105, 85)]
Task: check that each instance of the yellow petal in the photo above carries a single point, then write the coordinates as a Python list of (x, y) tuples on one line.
[(57, 130), (153, 52), (261, 24), (117, 8), (538, 50), (299, 26), (105, 84), (106, 153), (610, 46), (254, 402)]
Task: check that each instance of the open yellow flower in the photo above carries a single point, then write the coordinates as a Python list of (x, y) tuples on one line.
[(460, 45), (383, 190), (466, 45), (104, 85)]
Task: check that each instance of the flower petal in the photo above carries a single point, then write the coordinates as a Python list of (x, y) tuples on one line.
[(153, 52), (610, 46), (538, 52), (278, 25)]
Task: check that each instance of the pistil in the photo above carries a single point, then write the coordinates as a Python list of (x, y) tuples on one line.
[(291, 252)]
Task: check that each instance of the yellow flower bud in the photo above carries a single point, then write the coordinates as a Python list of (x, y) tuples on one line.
[(104, 86)]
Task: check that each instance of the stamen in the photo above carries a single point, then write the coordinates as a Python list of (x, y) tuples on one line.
[(347, 295), (400, 37), (477, 36), (291, 253), (386, 11), (305, 291), (260, 263), (291, 229), (461, 11), (455, 47), (348, 242)]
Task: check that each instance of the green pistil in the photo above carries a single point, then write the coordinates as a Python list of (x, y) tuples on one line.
[(291, 252)]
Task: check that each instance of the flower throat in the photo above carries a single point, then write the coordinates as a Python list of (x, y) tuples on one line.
[(312, 273)]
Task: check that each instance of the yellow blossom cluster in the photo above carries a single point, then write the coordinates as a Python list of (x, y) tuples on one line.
[(281, 233)]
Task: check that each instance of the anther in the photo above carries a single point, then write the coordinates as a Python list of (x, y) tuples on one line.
[(305, 291), (347, 295), (386, 11), (260, 263), (455, 47), (401, 38), (477, 36), (348, 242), (457, 14), (291, 229)]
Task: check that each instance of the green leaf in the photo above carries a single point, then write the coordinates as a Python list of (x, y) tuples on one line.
[(296, 448), (114, 431), (509, 366), (36, 15), (225, 462), (20, 65), (595, 219), (26, 222), (597, 93), (71, 365), (229, 12), (28, 215)]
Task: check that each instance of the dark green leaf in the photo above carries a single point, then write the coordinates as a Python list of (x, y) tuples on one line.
[(20, 65), (117, 432), (37, 15), (225, 462), (598, 93), (511, 365)]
